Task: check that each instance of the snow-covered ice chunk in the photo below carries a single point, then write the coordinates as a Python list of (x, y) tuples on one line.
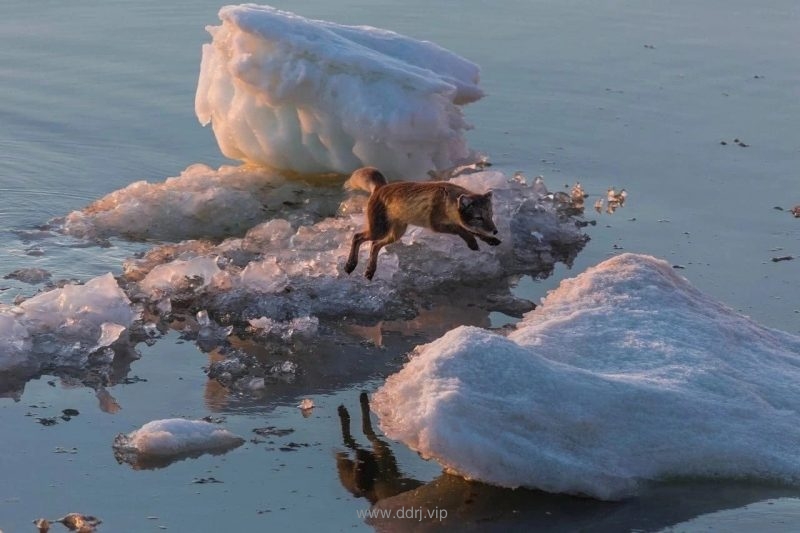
[(282, 271), (625, 374), (160, 442), (312, 96)]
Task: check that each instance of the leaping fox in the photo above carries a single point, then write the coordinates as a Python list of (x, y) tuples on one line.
[(439, 205)]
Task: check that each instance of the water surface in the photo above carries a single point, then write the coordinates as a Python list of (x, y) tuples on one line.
[(94, 96)]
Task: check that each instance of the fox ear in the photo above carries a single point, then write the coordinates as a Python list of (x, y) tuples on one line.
[(464, 201)]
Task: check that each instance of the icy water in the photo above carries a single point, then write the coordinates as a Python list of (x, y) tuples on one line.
[(639, 95)]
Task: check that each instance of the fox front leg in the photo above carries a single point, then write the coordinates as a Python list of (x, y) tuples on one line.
[(491, 241), (457, 230)]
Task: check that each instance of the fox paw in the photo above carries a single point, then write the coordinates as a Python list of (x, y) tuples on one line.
[(492, 241)]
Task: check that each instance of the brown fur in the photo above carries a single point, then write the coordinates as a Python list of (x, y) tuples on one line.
[(440, 206)]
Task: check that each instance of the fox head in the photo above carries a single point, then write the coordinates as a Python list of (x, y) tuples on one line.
[(476, 212)]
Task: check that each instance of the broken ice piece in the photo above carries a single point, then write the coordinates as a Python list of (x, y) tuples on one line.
[(307, 404), (109, 334), (286, 367), (80, 522), (202, 319)]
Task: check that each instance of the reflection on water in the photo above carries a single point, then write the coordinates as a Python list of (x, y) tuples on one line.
[(105, 368), (369, 473), (153, 462), (472, 505), (402, 503)]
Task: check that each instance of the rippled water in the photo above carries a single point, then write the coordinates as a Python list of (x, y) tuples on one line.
[(94, 96)]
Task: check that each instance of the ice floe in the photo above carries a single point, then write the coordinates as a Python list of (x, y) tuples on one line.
[(281, 282), (624, 375), (161, 442), (63, 327), (312, 96), (282, 270)]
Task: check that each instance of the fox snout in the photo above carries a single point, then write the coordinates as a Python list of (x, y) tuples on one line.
[(489, 227)]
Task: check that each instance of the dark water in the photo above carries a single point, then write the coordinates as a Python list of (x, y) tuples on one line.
[(638, 95)]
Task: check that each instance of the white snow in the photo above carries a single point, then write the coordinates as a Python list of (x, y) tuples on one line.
[(284, 270), (312, 96), (176, 437), (625, 374)]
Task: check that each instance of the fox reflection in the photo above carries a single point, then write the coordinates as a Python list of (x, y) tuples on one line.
[(371, 474)]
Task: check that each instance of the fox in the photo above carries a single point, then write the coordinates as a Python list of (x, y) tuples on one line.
[(437, 205)]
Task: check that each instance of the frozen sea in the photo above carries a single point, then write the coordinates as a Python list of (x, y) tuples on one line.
[(693, 108)]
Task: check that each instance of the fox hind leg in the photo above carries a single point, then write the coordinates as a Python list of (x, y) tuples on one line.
[(392, 234), (352, 260), (372, 266)]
